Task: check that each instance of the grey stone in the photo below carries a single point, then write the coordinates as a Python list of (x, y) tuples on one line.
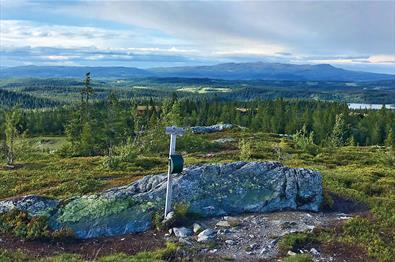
[(197, 228), (209, 190), (33, 205), (254, 246), (225, 140), (223, 223), (210, 129), (314, 252), (169, 216), (182, 231), (184, 241), (230, 242), (206, 235)]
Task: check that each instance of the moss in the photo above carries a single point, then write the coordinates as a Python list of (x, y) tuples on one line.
[(63, 258), (298, 258)]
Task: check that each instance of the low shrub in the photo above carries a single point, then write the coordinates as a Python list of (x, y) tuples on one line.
[(245, 150), (160, 255), (298, 258), (181, 216), (295, 241), (327, 202), (19, 223)]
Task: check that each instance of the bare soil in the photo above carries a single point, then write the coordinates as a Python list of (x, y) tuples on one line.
[(88, 249)]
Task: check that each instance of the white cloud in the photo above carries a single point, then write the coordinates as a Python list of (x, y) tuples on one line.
[(123, 32)]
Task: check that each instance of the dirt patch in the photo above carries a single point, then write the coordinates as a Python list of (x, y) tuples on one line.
[(88, 249), (347, 206), (346, 252)]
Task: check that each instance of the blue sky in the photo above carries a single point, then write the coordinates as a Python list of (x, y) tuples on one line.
[(356, 35)]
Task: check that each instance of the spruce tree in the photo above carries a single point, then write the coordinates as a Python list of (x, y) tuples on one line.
[(338, 132), (389, 140), (12, 118)]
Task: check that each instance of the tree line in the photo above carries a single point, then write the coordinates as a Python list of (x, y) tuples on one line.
[(98, 127)]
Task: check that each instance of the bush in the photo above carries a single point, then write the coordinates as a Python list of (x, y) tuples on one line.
[(305, 142), (194, 143), (362, 231), (181, 215), (245, 150), (295, 241), (163, 254), (121, 154), (327, 202), (387, 157)]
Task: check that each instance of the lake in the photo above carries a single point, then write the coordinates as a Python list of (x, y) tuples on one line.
[(368, 106)]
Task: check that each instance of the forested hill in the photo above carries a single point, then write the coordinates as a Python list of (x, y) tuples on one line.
[(228, 71), (9, 99)]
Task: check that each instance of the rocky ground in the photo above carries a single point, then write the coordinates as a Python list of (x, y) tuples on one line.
[(254, 236)]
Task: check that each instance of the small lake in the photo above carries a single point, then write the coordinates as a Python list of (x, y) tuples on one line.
[(368, 106)]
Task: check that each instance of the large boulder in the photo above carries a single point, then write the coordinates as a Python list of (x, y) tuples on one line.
[(210, 129), (208, 190)]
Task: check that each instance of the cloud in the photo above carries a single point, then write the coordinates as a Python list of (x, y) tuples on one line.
[(317, 27), (137, 33)]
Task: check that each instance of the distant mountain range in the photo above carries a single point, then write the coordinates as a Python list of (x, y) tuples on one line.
[(228, 71)]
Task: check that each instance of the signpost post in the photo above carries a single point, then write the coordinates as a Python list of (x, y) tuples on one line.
[(175, 163)]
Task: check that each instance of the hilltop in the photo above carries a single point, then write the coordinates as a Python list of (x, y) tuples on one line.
[(227, 71)]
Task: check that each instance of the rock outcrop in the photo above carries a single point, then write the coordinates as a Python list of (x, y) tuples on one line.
[(208, 190), (210, 129)]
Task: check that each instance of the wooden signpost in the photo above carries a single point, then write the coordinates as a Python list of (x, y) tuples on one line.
[(175, 163)]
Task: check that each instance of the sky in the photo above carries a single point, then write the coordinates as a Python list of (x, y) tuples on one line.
[(356, 35)]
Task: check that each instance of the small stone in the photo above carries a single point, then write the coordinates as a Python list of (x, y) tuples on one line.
[(170, 231), (291, 253), (223, 224), (206, 235), (254, 246), (288, 225), (249, 252), (213, 251), (169, 215), (230, 242), (314, 252), (184, 241), (251, 236), (122, 239), (197, 228), (182, 232), (263, 251), (204, 250)]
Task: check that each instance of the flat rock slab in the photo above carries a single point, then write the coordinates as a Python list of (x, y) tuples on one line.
[(208, 191)]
